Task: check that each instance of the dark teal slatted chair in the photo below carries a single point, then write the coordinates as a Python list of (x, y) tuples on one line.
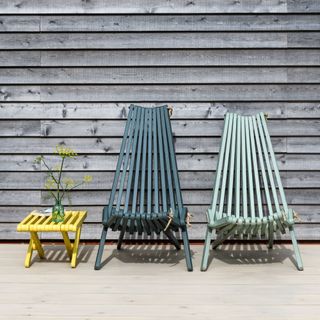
[(146, 196), (248, 197)]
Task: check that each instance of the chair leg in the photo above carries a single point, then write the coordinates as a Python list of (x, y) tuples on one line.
[(206, 250), (101, 247), (271, 235), (172, 239), (187, 249), (296, 249)]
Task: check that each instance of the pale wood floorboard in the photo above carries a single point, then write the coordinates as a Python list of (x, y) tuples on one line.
[(144, 282)]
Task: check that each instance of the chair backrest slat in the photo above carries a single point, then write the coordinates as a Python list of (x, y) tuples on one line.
[(219, 166), (167, 161), (249, 166), (238, 169), (225, 167), (231, 166), (155, 162), (138, 163), (149, 175), (144, 162), (263, 168), (173, 160), (132, 162), (255, 168), (244, 169), (162, 165)]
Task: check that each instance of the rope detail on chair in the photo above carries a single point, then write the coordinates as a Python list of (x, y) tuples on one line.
[(170, 217), (188, 219), (170, 109)]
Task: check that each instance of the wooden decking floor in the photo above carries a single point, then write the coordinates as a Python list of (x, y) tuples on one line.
[(144, 282)]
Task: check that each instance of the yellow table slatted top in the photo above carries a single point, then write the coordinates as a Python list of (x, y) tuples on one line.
[(36, 222)]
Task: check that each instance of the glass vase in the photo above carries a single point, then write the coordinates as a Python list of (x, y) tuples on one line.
[(58, 212)]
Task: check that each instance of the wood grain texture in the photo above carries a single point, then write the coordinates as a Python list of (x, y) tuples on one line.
[(193, 110), (162, 57), (157, 40), (128, 93), (159, 75), (125, 23), (143, 7)]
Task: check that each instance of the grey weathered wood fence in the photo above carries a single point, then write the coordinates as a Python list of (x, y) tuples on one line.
[(69, 70)]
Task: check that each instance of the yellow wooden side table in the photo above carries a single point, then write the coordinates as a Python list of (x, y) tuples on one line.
[(34, 223)]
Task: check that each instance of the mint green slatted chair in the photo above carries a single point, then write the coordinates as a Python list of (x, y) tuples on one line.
[(248, 197), (146, 195)]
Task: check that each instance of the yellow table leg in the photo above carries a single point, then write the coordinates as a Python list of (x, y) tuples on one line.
[(27, 261), (37, 244), (75, 248), (67, 243)]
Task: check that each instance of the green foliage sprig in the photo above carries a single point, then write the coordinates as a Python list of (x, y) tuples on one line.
[(56, 183)]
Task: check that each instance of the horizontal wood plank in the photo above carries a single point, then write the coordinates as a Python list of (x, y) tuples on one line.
[(102, 93), (190, 57), (172, 40), (181, 57), (176, 75), (131, 23), (143, 7), (154, 7), (196, 110)]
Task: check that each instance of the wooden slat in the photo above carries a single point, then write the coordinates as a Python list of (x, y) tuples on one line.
[(144, 6), (153, 6), (158, 75), (196, 110), (190, 57), (157, 40), (186, 162), (20, 58), (204, 40), (129, 93), (19, 23), (120, 23)]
